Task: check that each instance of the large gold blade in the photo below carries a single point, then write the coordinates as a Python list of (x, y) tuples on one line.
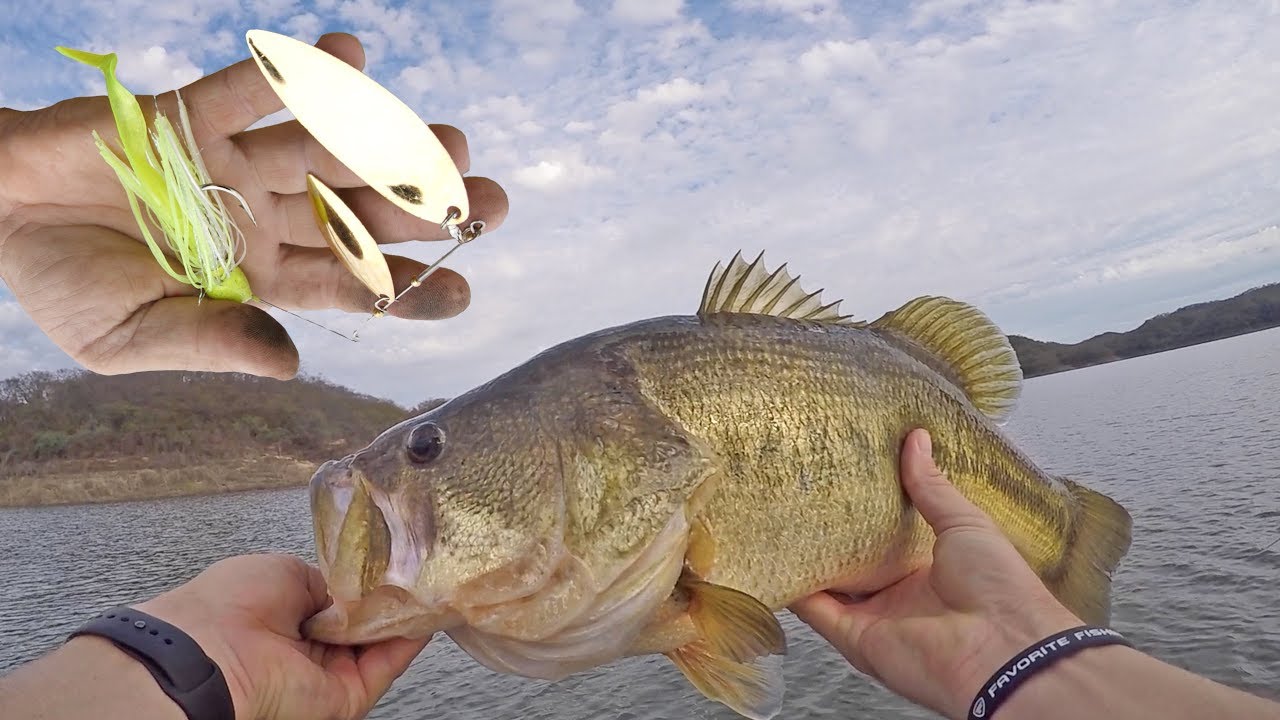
[(364, 125)]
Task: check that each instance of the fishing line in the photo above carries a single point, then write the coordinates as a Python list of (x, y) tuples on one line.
[(353, 338)]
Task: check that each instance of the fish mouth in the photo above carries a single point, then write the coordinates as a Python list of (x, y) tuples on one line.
[(369, 560)]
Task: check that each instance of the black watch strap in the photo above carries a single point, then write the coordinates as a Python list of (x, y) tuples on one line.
[(175, 660)]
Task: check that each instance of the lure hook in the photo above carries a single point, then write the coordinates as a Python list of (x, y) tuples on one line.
[(233, 193)]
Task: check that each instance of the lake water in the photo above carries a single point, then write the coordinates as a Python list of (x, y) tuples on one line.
[(1186, 440)]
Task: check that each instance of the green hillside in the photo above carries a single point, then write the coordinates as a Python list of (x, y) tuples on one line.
[(74, 436)]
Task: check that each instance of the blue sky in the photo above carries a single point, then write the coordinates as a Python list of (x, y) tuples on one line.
[(1070, 167)]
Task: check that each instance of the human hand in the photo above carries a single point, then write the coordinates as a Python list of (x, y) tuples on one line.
[(246, 613), (72, 254), (936, 635)]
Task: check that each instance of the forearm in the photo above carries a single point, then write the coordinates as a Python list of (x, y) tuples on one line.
[(86, 677), (1119, 682)]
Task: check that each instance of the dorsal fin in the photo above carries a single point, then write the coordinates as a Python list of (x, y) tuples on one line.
[(746, 288), (961, 343)]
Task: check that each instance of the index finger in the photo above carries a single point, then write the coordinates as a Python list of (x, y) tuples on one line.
[(381, 664), (839, 620), (304, 596), (228, 101)]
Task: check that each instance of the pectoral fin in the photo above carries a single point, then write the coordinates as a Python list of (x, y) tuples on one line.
[(737, 658)]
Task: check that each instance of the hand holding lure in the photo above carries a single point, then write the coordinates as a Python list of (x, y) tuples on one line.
[(364, 125)]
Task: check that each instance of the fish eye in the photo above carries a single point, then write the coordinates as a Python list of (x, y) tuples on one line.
[(425, 443)]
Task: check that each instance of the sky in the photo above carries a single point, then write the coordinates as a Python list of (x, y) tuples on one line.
[(1069, 167)]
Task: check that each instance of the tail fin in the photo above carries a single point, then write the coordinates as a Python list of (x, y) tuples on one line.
[(1099, 538)]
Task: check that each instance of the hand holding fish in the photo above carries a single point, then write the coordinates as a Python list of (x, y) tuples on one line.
[(936, 636), (72, 253), (245, 613)]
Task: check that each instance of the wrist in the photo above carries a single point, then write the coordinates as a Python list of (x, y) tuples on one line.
[(180, 613), (99, 658), (1077, 676), (1006, 637)]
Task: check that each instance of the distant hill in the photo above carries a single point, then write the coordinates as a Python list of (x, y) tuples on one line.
[(1250, 311), (73, 436)]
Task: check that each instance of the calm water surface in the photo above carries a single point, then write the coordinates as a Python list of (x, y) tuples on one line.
[(1186, 440)]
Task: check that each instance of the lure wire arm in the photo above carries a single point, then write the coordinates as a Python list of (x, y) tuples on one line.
[(460, 237)]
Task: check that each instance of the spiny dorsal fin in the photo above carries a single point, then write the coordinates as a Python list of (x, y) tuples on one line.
[(737, 659), (746, 288), (965, 346)]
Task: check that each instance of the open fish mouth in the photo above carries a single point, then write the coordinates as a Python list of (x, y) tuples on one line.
[(357, 555), (367, 560)]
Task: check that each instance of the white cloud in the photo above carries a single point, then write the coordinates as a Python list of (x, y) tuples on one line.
[(560, 170), (400, 25), (432, 75), (306, 26), (1179, 256), (22, 346), (156, 69), (647, 12), (838, 56), (505, 109), (540, 28), (676, 92), (274, 9), (657, 103), (671, 40), (406, 29)]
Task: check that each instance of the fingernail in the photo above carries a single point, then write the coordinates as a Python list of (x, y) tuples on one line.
[(924, 442)]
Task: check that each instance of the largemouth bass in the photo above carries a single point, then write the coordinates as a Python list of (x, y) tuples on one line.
[(665, 487)]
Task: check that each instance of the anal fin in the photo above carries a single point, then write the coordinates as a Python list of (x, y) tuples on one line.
[(736, 659)]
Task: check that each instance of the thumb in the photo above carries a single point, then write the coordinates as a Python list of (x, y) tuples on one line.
[(937, 500), (189, 333)]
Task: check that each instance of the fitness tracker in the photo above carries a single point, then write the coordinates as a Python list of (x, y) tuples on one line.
[(178, 664)]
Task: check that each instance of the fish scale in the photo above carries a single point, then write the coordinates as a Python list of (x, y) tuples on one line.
[(828, 418)]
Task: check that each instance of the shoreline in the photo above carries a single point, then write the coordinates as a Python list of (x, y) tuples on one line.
[(1068, 368), (114, 486)]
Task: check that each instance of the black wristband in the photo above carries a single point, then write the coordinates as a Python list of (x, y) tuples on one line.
[(175, 660), (1037, 657)]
